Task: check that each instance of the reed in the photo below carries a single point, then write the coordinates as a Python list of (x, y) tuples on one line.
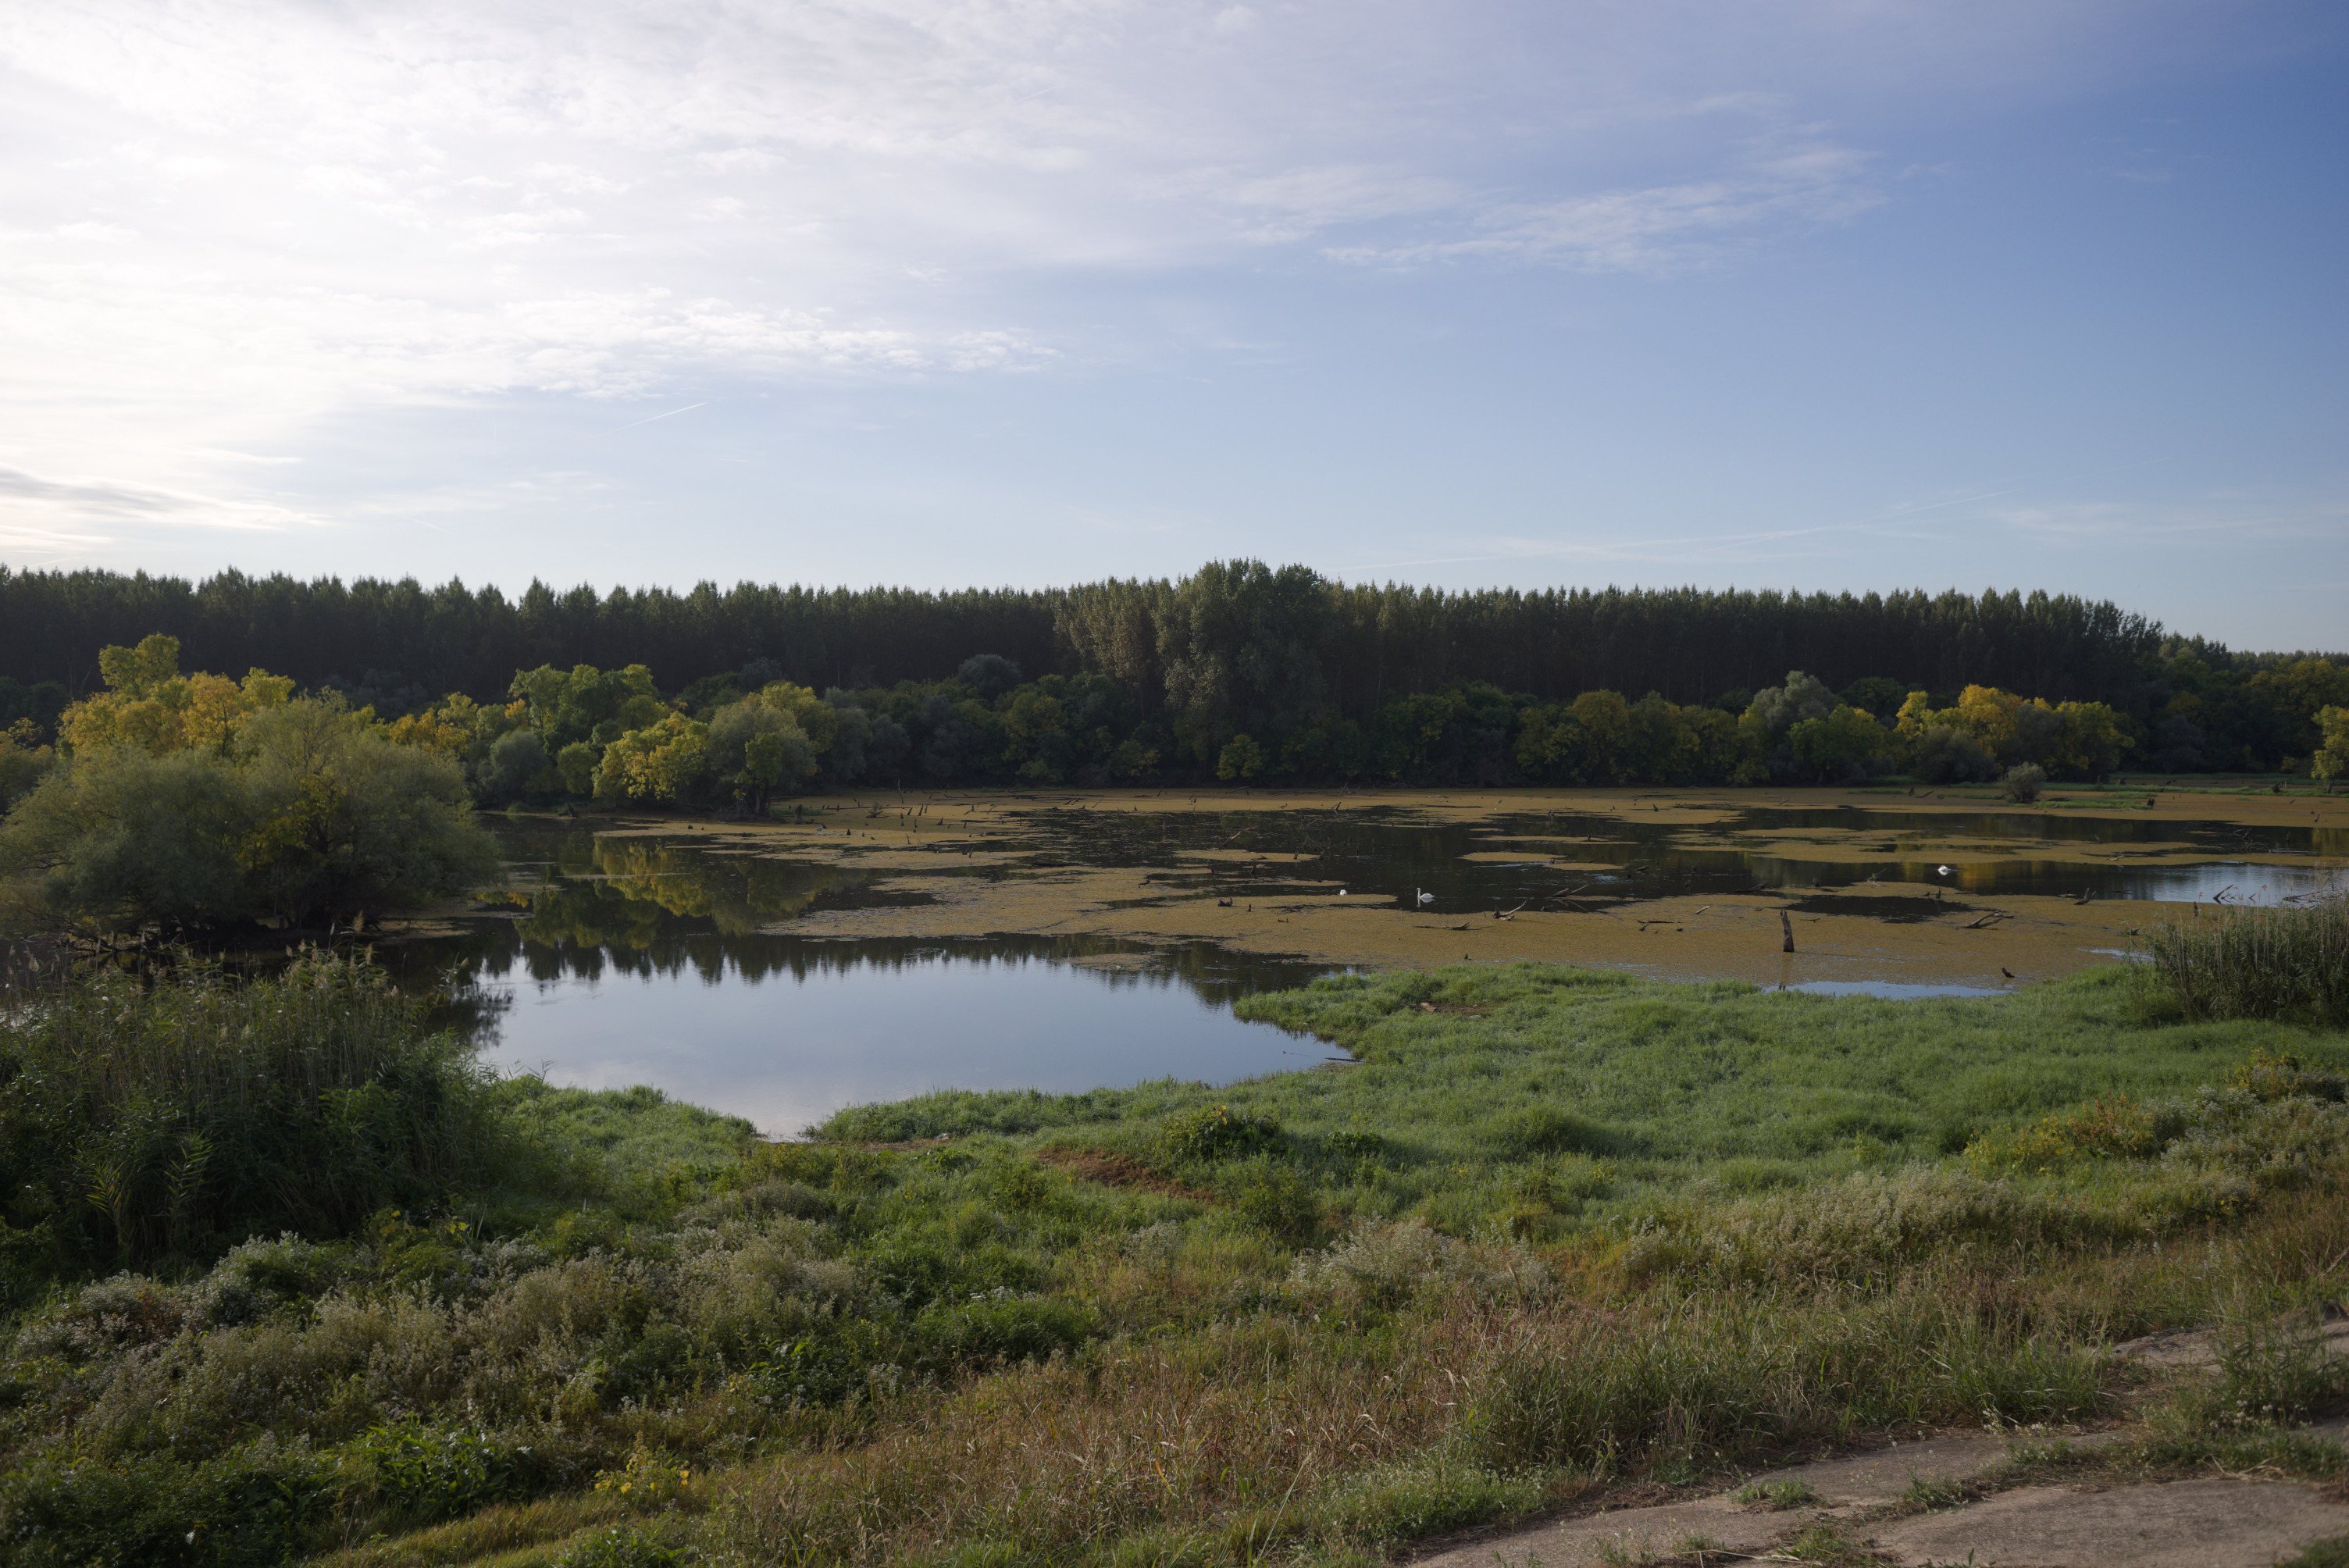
[(140, 1121), (2290, 962)]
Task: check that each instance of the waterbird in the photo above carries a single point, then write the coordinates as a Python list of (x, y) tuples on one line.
[(1945, 871), (1341, 893), (1424, 898)]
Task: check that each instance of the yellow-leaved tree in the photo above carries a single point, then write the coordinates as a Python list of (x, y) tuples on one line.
[(661, 761), (181, 809), (150, 704), (2332, 759)]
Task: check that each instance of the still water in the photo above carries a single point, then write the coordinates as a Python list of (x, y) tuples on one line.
[(655, 973), (1620, 859), (788, 1043)]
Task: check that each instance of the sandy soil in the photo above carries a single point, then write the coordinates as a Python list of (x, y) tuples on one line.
[(2195, 1521)]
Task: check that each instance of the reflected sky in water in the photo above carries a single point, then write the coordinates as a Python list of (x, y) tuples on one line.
[(786, 1043), (615, 962)]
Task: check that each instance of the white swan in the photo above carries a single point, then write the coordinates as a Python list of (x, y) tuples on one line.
[(1424, 898)]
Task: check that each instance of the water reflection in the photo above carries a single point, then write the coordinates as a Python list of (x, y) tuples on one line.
[(1887, 991), (619, 960), (785, 1031), (1390, 853), (584, 889)]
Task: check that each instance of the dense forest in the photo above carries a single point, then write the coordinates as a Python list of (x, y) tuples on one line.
[(1238, 670), (1370, 641)]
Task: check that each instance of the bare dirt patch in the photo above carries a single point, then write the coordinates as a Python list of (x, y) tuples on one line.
[(2212, 1522), (1119, 1171)]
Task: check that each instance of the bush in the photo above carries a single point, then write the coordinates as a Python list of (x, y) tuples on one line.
[(1212, 1133), (255, 1508), (840, 1362), (438, 1472), (1276, 1196), (2022, 782), (146, 1122), (306, 812)]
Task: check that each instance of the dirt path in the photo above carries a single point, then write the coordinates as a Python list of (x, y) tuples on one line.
[(1908, 1504)]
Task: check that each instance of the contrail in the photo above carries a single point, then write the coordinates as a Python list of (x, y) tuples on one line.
[(689, 408)]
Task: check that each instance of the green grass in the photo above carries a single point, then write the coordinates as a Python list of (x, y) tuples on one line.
[(636, 1134), (1570, 1098)]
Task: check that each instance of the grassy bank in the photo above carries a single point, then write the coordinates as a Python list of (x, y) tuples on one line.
[(1558, 1234)]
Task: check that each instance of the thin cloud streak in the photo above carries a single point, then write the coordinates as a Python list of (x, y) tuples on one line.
[(672, 414)]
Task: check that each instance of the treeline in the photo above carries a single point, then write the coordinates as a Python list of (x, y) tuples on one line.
[(1365, 642), (1282, 657), (747, 736)]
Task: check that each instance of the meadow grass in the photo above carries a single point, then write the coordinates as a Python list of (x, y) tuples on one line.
[(1553, 1101), (1558, 1232)]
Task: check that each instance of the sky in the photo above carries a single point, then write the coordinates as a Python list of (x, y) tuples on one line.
[(1814, 295)]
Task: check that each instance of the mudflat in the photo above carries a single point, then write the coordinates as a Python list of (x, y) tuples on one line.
[(1930, 888)]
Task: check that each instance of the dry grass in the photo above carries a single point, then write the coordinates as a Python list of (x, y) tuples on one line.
[(1322, 1429), (496, 1535)]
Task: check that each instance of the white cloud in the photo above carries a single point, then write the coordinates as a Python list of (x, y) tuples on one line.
[(225, 220)]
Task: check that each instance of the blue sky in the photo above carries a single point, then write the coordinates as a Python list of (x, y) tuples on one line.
[(1784, 293)]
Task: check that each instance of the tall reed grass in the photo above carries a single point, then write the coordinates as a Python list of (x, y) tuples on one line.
[(2290, 962), (143, 1120)]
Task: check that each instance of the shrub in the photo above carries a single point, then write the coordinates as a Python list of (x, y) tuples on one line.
[(1276, 1196), (257, 1508), (1212, 1133), (1002, 1327), (429, 1471), (840, 1361), (143, 1122), (2022, 782), (308, 811)]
